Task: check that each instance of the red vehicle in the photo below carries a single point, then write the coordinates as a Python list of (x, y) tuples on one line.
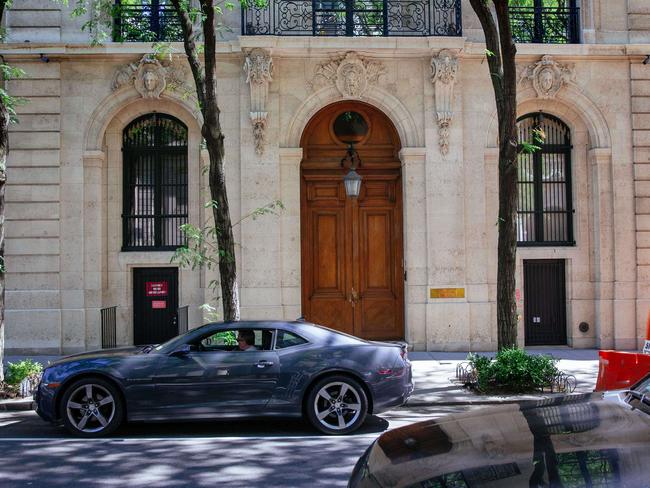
[(619, 370)]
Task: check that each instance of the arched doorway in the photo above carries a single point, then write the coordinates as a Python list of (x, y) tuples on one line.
[(352, 248)]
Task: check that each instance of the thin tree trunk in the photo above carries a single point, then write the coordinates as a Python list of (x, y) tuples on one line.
[(4, 139), (206, 89), (4, 149), (503, 73)]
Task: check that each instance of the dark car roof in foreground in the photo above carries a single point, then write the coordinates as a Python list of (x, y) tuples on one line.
[(513, 445)]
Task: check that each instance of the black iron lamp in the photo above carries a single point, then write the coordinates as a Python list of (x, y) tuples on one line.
[(351, 128)]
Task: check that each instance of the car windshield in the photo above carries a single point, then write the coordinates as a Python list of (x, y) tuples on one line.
[(175, 341)]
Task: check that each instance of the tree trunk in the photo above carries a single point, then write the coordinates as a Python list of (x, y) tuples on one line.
[(225, 238), (501, 53), (4, 140), (205, 79)]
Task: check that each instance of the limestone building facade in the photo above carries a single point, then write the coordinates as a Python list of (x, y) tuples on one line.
[(106, 162)]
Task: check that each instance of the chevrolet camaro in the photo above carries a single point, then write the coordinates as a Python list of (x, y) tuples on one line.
[(287, 369)]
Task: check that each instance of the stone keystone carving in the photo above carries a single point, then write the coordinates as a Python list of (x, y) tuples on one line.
[(149, 76), (444, 70), (259, 74), (547, 76), (350, 73)]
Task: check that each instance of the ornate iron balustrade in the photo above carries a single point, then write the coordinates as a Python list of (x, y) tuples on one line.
[(354, 18), (547, 25), (148, 21)]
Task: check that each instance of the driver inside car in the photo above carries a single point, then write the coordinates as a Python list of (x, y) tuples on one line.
[(246, 340)]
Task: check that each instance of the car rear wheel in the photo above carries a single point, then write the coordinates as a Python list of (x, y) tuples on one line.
[(337, 405), (92, 407)]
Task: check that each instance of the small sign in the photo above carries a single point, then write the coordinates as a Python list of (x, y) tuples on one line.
[(646, 347), (518, 295), (159, 304), (156, 288), (447, 292)]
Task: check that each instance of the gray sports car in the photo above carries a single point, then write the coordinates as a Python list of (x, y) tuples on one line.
[(233, 369)]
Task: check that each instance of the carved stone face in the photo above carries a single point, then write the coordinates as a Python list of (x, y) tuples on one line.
[(150, 80), (352, 77), (546, 79)]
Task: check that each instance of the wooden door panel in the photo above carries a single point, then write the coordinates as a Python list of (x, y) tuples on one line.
[(380, 298), (328, 253), (326, 277)]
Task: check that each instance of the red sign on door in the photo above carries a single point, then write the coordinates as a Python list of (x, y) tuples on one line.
[(158, 303), (156, 288)]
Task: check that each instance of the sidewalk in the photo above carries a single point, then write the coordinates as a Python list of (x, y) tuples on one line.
[(434, 374)]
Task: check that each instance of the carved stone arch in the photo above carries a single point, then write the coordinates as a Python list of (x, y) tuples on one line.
[(128, 103), (571, 105), (404, 123)]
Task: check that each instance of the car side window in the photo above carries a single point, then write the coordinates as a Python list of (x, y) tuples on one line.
[(288, 339), (237, 340)]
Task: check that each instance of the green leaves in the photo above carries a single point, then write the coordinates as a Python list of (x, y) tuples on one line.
[(539, 136), (513, 371), (17, 372), (8, 72)]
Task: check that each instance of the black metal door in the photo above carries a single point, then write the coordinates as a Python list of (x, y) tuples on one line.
[(544, 302), (155, 300)]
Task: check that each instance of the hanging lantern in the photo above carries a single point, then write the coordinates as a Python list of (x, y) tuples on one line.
[(352, 182)]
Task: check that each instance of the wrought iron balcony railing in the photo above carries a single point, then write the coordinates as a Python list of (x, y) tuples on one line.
[(146, 21), (354, 18), (548, 25)]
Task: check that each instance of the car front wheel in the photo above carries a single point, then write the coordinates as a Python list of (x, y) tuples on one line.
[(91, 407), (337, 405)]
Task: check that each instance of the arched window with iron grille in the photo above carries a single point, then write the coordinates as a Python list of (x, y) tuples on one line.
[(154, 149), (545, 207)]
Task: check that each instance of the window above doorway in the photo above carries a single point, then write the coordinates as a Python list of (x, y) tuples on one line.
[(155, 193), (146, 21), (545, 207)]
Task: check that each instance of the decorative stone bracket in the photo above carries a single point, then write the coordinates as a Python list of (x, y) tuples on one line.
[(259, 73), (547, 76), (150, 77), (444, 70)]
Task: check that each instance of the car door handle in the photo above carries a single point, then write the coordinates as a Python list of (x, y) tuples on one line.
[(264, 364)]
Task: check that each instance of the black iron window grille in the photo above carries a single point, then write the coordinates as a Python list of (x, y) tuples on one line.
[(545, 21), (353, 18), (145, 21), (155, 183), (545, 209)]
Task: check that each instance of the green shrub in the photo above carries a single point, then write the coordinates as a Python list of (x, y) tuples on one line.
[(17, 372), (513, 371)]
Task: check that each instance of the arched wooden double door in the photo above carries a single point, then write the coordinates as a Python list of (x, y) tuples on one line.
[(352, 248)]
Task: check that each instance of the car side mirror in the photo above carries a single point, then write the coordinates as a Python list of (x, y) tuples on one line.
[(180, 351)]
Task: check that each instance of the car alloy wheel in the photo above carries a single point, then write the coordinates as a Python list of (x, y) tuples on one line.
[(338, 405), (91, 408)]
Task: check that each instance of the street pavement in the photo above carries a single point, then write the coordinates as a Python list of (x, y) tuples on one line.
[(248, 453), (261, 453)]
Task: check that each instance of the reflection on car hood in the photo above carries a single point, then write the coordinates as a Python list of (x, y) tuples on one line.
[(102, 353), (515, 445)]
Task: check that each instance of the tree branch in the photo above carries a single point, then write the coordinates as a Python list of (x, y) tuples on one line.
[(191, 50)]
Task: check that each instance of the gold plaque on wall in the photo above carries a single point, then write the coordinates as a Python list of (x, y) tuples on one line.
[(447, 292)]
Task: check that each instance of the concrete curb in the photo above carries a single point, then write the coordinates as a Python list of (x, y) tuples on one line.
[(17, 405), (487, 401)]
